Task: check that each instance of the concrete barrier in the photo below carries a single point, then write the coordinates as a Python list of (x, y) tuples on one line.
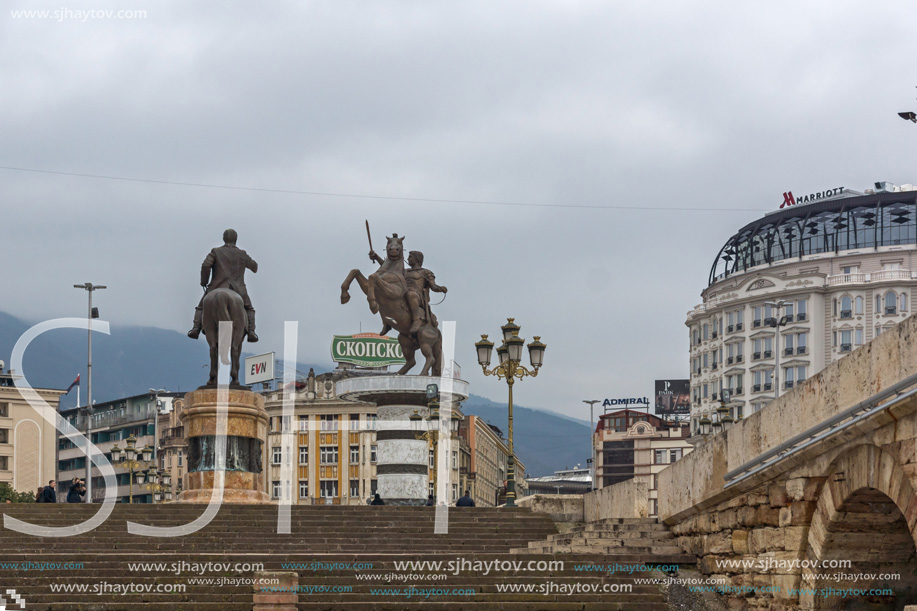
[(561, 507), (627, 499)]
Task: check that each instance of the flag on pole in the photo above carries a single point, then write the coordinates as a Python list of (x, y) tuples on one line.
[(76, 383)]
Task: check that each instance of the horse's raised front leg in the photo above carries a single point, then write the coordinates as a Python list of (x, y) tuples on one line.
[(354, 274)]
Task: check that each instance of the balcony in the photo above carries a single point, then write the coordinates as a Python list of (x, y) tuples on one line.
[(845, 347), (713, 396), (768, 386), (715, 335), (801, 350), (768, 354), (892, 274), (756, 388), (739, 326), (891, 310), (801, 316), (788, 351), (770, 321), (714, 366), (883, 276), (729, 329), (729, 360), (739, 358), (847, 279), (788, 384), (846, 314), (756, 323), (755, 356), (738, 390)]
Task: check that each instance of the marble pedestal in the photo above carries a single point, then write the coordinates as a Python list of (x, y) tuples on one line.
[(402, 460), (246, 433)]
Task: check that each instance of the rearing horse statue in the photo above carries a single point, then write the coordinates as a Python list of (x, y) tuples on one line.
[(385, 291)]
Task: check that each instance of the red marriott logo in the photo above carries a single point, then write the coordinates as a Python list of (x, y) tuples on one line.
[(789, 200)]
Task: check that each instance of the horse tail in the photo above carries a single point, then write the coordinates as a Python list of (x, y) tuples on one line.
[(224, 314)]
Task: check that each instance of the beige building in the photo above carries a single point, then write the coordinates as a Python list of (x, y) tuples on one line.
[(636, 445), (172, 450), (489, 461), (27, 441), (796, 290)]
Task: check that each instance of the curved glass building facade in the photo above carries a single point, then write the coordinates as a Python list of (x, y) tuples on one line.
[(832, 226)]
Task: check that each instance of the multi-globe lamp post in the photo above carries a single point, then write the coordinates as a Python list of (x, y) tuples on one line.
[(509, 368), (134, 460), (157, 482)]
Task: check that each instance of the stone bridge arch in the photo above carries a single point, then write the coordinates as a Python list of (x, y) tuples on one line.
[(866, 513)]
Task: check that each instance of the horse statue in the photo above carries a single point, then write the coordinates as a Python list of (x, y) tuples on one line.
[(385, 290), (224, 305)]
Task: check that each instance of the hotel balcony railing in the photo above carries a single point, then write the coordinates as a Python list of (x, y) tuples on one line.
[(885, 275)]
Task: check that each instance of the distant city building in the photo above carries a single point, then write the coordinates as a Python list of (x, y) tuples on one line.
[(636, 445), (113, 422), (564, 481), (489, 461), (27, 441), (798, 289), (172, 451)]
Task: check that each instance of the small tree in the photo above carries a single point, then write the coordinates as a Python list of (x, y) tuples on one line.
[(8, 494)]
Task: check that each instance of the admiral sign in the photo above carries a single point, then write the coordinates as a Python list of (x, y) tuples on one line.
[(366, 350), (624, 403)]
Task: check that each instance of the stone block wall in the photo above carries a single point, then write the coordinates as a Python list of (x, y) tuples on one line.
[(627, 499)]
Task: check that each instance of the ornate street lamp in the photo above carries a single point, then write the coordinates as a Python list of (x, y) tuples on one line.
[(510, 367), (133, 460)]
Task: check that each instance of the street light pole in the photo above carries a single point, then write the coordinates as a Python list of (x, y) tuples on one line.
[(591, 403), (778, 322), (510, 367), (89, 287)]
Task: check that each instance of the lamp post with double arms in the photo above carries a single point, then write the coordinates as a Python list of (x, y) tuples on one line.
[(93, 313), (509, 368), (134, 460)]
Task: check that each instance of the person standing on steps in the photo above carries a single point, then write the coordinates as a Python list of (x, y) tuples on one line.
[(377, 500), (465, 501)]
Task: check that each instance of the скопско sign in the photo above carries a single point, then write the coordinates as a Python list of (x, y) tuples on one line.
[(366, 350)]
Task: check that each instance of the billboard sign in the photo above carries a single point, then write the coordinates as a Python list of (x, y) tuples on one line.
[(259, 368), (366, 350), (673, 397)]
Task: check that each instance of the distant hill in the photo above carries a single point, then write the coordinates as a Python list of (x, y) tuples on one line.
[(132, 360)]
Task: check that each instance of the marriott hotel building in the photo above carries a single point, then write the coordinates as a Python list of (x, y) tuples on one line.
[(802, 287)]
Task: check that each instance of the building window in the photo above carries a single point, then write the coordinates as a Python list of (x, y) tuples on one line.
[(303, 424), (801, 373), (373, 421), (846, 310), (328, 422), (454, 492), (432, 489), (275, 489), (372, 454), (328, 455), (659, 457), (801, 309), (846, 343), (432, 459), (275, 455), (354, 455), (891, 303), (303, 489), (179, 458), (655, 482), (354, 422), (373, 487), (903, 299), (454, 459), (674, 454), (355, 488), (328, 488), (706, 331), (858, 337), (304, 455), (858, 305), (286, 423)]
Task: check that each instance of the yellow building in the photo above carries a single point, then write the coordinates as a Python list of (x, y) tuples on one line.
[(489, 460), (28, 442)]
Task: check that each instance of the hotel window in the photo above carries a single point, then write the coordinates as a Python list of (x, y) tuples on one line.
[(756, 310), (705, 391), (845, 340), (878, 305), (432, 459), (303, 489), (674, 454), (328, 488), (659, 456), (355, 488), (878, 330), (846, 310), (730, 321), (706, 360), (801, 373), (858, 337), (304, 455), (328, 455), (801, 309), (788, 343), (801, 339), (788, 377), (354, 422), (304, 423), (858, 305), (354, 455), (275, 489), (706, 331), (903, 299), (275, 455), (891, 302), (737, 412), (372, 453), (740, 319), (788, 310), (328, 422), (696, 333)]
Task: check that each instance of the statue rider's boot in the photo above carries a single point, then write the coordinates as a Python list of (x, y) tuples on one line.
[(418, 321), (195, 331), (252, 338)]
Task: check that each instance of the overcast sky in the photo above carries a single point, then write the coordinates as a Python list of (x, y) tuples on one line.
[(631, 138)]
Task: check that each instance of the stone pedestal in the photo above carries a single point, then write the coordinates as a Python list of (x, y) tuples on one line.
[(402, 460), (246, 433)]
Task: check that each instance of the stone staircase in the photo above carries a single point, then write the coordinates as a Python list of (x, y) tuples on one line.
[(346, 557), (621, 540)]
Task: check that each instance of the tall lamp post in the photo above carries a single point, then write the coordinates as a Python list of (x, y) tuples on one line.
[(157, 482), (154, 394), (510, 367), (591, 403), (134, 460), (92, 313), (776, 323)]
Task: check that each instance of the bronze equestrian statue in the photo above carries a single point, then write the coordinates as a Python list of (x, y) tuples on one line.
[(225, 300), (401, 297)]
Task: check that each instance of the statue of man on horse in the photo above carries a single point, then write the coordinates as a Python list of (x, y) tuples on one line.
[(225, 300), (401, 297)]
